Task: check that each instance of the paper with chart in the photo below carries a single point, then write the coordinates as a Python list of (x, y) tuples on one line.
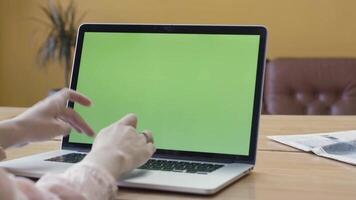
[(335, 145)]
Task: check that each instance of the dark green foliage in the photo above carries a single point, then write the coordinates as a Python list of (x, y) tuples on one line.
[(59, 44)]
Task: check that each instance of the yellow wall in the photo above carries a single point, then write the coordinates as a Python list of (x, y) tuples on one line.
[(312, 28)]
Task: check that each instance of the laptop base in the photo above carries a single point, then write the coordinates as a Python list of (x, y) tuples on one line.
[(35, 166)]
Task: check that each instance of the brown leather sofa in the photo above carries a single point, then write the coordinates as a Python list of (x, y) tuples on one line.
[(310, 86)]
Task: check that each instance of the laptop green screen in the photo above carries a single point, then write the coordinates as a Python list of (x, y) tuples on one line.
[(195, 92)]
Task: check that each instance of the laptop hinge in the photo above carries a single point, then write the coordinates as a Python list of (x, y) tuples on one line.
[(85, 150)]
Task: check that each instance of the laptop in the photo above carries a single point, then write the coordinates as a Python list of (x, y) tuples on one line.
[(196, 87)]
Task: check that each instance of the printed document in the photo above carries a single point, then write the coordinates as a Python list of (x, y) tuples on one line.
[(335, 145)]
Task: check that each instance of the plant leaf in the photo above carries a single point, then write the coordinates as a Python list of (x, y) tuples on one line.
[(60, 41)]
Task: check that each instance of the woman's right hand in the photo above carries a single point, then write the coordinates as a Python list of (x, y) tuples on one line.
[(119, 148)]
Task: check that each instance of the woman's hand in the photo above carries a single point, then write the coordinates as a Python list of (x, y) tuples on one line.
[(50, 118), (118, 148)]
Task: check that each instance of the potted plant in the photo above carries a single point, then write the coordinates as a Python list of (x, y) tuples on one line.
[(58, 45)]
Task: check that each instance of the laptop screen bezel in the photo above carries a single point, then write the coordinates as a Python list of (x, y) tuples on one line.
[(184, 29)]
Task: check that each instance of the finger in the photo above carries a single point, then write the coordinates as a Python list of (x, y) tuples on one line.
[(151, 148), (129, 120), (142, 138), (148, 135), (77, 121), (71, 95), (76, 127), (64, 128)]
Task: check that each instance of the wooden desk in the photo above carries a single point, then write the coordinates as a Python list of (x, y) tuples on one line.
[(281, 172), (9, 112)]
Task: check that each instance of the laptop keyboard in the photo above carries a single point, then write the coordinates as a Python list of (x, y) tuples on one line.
[(153, 164), (180, 166), (68, 158)]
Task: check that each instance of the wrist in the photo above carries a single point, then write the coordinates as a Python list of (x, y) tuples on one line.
[(108, 162), (12, 133)]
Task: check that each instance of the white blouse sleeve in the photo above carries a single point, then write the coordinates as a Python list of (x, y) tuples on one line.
[(80, 182)]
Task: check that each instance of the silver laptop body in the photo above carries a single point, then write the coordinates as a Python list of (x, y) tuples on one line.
[(222, 169)]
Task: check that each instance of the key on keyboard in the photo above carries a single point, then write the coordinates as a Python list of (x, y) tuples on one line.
[(68, 158), (180, 166)]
